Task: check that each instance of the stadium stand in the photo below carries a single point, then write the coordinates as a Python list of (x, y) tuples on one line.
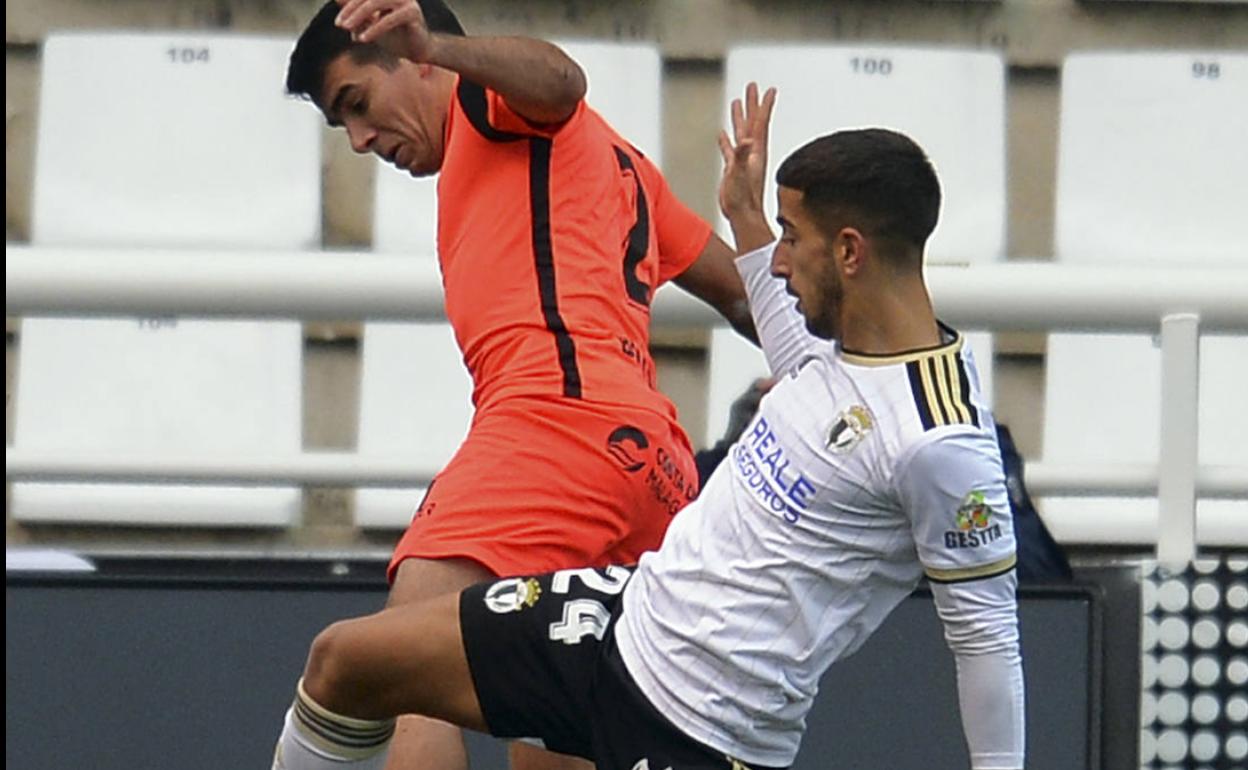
[(161, 140), (415, 395), (1150, 172), (951, 101)]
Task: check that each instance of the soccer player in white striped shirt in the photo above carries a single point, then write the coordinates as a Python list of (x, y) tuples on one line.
[(871, 462)]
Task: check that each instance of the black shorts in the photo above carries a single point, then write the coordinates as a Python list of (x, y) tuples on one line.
[(545, 665)]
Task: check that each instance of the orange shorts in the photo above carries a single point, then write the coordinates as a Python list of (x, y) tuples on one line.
[(540, 485)]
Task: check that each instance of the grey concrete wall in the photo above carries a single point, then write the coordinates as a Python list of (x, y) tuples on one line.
[(694, 35)]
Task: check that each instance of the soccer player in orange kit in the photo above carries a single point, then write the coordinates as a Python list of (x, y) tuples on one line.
[(553, 234)]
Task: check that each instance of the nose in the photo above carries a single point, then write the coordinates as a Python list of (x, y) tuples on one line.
[(779, 263), (361, 136)]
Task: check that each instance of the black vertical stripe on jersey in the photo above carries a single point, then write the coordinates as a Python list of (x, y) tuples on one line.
[(638, 237), (472, 101), (920, 396), (544, 256), (966, 390)]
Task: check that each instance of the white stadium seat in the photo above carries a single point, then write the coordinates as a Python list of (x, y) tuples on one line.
[(1150, 172), (952, 102), (167, 140), (415, 395)]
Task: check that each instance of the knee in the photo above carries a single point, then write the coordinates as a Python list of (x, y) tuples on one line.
[(336, 675)]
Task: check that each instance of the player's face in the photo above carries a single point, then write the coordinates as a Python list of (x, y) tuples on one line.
[(395, 114), (804, 259)]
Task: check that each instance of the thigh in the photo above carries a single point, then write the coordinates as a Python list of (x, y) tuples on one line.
[(533, 644), (417, 579), (407, 659), (631, 734)]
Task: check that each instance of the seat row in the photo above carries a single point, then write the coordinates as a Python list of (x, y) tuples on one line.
[(187, 141)]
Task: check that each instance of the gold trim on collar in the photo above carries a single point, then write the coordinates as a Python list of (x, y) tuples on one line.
[(870, 359)]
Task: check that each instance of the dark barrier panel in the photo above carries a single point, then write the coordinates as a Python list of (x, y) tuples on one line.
[(191, 664)]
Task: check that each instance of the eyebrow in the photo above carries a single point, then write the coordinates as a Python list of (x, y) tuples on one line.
[(335, 106)]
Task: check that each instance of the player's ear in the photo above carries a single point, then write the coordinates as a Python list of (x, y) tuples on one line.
[(849, 250)]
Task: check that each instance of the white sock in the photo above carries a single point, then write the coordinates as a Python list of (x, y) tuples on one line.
[(315, 738)]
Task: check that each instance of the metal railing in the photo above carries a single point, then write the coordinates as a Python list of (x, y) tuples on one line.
[(1179, 304)]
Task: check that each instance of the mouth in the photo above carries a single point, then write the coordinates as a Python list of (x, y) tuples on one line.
[(393, 156)]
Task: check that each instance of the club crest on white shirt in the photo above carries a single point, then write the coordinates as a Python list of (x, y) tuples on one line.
[(849, 429)]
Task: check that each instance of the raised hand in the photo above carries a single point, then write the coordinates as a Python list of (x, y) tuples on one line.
[(398, 26), (745, 167)]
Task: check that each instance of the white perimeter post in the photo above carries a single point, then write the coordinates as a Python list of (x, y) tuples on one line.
[(1178, 458)]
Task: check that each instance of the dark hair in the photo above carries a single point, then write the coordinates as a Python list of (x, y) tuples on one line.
[(876, 180), (323, 41)]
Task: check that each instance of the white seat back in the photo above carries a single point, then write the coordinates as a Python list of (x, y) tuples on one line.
[(167, 140), (951, 102), (415, 395), (174, 140), (1150, 171)]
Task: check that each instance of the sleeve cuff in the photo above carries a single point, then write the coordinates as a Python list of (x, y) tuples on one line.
[(750, 263)]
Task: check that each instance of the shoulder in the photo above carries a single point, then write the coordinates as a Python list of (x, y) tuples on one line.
[(939, 451)]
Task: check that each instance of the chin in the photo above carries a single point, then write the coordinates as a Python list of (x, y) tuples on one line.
[(821, 329)]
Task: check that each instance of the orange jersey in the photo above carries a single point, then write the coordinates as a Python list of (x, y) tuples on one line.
[(552, 242)]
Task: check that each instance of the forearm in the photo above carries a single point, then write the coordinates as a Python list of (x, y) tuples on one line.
[(713, 278), (781, 329), (981, 628), (990, 691), (537, 79)]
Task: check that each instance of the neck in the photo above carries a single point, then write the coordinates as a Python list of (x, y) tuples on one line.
[(890, 320)]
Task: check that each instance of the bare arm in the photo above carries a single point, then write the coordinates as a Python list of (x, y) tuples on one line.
[(539, 81), (713, 278)]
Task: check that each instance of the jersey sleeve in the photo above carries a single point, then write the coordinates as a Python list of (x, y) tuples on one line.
[(781, 328), (980, 619), (501, 117), (681, 234), (952, 488)]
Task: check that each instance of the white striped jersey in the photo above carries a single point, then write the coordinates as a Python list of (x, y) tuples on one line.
[(857, 475)]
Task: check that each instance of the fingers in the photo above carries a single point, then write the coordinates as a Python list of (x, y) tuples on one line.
[(764, 115), (757, 113), (385, 23), (751, 120), (355, 12), (725, 148), (740, 129), (366, 20), (735, 156)]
